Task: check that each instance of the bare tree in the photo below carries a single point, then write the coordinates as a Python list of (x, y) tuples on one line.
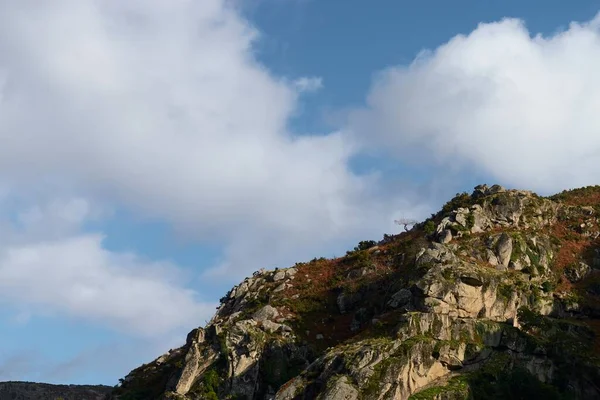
[(406, 222)]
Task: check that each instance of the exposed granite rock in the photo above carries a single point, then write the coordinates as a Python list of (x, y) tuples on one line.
[(504, 249), (266, 313), (400, 298), (284, 274), (196, 361), (576, 272), (340, 389), (270, 327), (348, 301), (486, 288), (357, 273), (445, 236), (279, 276)]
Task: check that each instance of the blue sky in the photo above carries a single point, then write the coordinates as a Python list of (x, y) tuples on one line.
[(155, 153)]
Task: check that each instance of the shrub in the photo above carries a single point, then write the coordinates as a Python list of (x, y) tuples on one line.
[(429, 227), (209, 385), (365, 244), (225, 298), (548, 286), (211, 380), (461, 200), (505, 290), (470, 221)]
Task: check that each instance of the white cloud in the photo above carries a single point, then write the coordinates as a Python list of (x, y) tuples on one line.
[(162, 107), (77, 277), (68, 273), (308, 84), (521, 108)]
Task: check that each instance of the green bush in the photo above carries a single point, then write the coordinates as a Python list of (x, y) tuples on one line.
[(365, 245), (429, 227), (211, 396), (470, 221), (211, 380), (209, 385), (548, 286), (461, 200)]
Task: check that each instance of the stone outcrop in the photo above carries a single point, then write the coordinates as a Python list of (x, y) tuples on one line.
[(497, 207), (500, 284), (504, 249)]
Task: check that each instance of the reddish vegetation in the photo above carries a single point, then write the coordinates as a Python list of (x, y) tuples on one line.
[(369, 276), (314, 303), (312, 297), (586, 196), (575, 247), (570, 250), (311, 300)]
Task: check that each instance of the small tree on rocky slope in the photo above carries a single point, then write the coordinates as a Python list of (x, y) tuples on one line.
[(406, 222)]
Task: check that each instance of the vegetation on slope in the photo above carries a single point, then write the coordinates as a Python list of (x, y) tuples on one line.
[(338, 306)]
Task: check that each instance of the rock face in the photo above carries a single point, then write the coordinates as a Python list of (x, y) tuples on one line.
[(44, 391), (496, 296), (504, 249)]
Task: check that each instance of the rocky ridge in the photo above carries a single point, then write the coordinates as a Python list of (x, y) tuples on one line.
[(495, 296)]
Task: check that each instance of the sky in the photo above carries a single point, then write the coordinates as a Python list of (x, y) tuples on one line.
[(155, 153)]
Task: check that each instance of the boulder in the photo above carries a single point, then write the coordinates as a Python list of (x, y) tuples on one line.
[(357, 273), (280, 287), (270, 327), (491, 258), (196, 335), (576, 272), (290, 272), (339, 389), (445, 236), (504, 249), (278, 276), (400, 298), (266, 313), (347, 301)]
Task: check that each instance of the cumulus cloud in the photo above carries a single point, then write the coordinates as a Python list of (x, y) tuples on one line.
[(519, 107), (69, 273), (308, 84), (162, 107)]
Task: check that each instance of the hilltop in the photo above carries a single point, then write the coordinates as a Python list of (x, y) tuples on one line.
[(45, 391), (496, 296)]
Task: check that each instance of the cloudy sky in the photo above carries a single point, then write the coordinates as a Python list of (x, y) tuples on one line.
[(153, 153)]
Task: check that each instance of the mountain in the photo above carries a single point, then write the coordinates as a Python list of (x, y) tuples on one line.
[(44, 391), (497, 296)]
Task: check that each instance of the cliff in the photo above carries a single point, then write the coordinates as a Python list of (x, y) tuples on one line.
[(496, 296)]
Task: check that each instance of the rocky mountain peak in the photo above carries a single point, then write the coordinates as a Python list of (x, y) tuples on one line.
[(495, 296)]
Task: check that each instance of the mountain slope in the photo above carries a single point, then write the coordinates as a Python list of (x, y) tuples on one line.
[(45, 391), (495, 296)]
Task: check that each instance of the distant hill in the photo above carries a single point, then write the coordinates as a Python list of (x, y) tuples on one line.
[(45, 391)]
